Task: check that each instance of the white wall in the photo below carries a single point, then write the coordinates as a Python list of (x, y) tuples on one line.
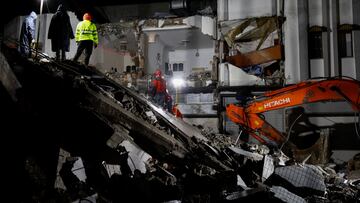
[(315, 12), (45, 20), (153, 49), (103, 58), (73, 46), (333, 38), (230, 75), (127, 61), (190, 60), (291, 40), (348, 67), (206, 24), (345, 9), (240, 9), (317, 68)]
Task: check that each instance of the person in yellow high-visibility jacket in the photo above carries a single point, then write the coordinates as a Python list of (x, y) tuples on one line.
[(86, 37)]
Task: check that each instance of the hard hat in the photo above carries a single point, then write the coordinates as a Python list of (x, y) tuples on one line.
[(87, 16), (157, 73)]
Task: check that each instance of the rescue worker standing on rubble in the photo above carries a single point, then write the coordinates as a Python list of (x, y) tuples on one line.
[(27, 34), (86, 37), (158, 88), (60, 32)]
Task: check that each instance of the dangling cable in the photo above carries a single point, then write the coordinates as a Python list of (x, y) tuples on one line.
[(357, 123), (289, 131)]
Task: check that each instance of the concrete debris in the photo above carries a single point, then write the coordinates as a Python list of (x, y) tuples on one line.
[(112, 169), (286, 196), (318, 153), (354, 167), (241, 183), (268, 168), (303, 176), (116, 153), (281, 158), (8, 78), (91, 198), (250, 155)]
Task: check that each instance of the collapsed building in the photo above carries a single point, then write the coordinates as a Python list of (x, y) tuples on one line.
[(92, 134), (184, 163)]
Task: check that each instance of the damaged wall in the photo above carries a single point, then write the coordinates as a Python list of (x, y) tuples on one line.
[(300, 15), (191, 60), (155, 56)]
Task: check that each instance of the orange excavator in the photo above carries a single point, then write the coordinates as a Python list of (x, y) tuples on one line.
[(249, 115)]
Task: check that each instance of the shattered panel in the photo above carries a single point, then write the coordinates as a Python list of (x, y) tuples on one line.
[(286, 195), (303, 176)]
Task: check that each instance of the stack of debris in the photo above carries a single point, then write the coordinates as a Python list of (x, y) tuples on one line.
[(168, 160), (258, 173), (199, 79)]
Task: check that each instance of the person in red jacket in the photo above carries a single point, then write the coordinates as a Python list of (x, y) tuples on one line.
[(177, 113), (158, 88)]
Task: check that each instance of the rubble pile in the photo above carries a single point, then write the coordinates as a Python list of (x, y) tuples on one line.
[(257, 174), (132, 151)]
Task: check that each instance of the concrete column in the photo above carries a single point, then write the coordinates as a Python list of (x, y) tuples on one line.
[(223, 10), (326, 38), (356, 37), (303, 38), (296, 42), (334, 20)]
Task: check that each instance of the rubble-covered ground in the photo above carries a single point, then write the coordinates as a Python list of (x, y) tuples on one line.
[(59, 147)]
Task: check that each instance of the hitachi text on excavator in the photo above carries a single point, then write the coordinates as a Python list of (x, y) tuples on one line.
[(249, 116)]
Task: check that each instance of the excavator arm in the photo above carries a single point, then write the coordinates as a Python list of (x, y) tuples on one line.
[(326, 90)]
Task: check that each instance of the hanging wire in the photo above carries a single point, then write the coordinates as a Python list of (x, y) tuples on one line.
[(289, 131), (357, 123)]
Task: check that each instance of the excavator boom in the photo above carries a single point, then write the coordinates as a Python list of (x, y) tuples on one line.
[(328, 90)]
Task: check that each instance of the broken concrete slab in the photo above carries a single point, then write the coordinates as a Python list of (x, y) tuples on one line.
[(250, 155), (308, 176), (286, 195)]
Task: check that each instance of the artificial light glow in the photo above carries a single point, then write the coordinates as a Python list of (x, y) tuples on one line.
[(178, 82)]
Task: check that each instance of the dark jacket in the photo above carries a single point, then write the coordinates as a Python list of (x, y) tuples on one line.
[(27, 33), (60, 30)]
